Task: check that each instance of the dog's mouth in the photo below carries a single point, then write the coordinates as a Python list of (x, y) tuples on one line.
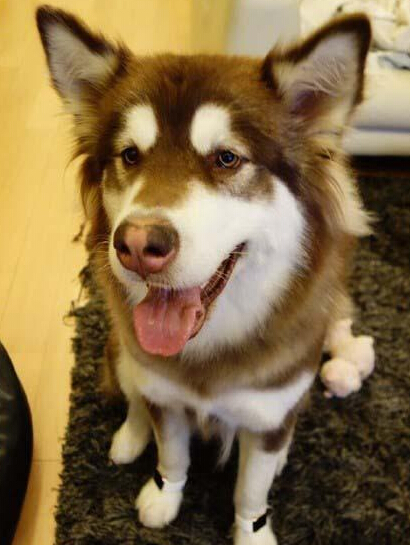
[(167, 318)]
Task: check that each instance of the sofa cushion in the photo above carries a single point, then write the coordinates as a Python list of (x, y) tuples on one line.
[(387, 98), (376, 142)]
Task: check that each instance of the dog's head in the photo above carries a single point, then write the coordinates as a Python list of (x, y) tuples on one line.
[(212, 174)]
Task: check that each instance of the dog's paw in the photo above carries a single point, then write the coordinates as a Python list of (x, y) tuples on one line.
[(264, 536), (157, 508), (360, 351), (341, 377), (128, 443)]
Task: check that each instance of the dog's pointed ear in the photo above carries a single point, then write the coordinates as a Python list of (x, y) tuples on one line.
[(77, 58), (322, 78)]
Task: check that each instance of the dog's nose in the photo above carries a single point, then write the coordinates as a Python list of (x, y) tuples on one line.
[(146, 246)]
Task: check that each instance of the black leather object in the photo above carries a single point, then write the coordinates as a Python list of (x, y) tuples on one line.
[(16, 447)]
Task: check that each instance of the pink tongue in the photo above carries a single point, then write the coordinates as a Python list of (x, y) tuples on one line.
[(165, 320)]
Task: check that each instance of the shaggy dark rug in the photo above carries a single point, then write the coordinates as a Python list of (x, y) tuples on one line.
[(348, 477)]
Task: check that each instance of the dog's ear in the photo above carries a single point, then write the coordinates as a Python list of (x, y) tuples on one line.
[(321, 79), (78, 59)]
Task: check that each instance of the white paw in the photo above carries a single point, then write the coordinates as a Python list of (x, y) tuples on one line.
[(157, 508), (341, 377), (264, 536), (128, 443), (360, 351)]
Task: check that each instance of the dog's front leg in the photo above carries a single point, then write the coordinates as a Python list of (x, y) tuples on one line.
[(159, 500), (134, 434), (261, 457)]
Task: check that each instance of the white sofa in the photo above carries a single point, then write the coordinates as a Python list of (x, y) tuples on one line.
[(381, 125)]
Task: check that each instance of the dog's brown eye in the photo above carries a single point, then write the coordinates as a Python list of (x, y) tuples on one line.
[(130, 156), (227, 159)]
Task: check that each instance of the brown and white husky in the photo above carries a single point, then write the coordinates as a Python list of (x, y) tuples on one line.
[(223, 218)]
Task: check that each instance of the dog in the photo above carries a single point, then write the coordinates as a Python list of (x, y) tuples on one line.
[(223, 218)]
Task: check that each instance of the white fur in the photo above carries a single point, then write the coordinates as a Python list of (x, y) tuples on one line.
[(338, 333), (72, 61), (341, 377), (141, 127), (264, 536), (211, 129), (119, 206), (359, 350), (219, 222), (250, 408), (333, 59), (119, 203), (156, 508), (257, 469), (134, 434), (352, 360), (159, 507), (127, 444), (330, 69), (259, 411), (173, 445), (210, 225), (353, 218)]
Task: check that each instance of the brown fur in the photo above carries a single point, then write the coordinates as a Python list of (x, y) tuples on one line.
[(290, 342), (275, 440), (155, 412), (292, 336), (286, 120), (357, 24), (109, 380)]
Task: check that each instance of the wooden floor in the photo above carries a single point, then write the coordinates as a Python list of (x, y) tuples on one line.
[(40, 214)]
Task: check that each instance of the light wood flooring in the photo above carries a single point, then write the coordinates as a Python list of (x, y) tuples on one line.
[(40, 212)]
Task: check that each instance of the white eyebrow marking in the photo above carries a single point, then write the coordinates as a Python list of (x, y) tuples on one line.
[(141, 126), (210, 127)]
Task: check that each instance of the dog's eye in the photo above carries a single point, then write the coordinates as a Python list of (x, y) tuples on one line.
[(130, 156), (227, 159)]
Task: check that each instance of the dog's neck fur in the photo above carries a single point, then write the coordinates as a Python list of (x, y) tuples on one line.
[(287, 341)]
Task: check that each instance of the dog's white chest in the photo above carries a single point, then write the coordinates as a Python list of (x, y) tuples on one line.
[(260, 410), (257, 410)]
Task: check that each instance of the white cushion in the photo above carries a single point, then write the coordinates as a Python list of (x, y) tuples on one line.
[(387, 99), (377, 142)]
